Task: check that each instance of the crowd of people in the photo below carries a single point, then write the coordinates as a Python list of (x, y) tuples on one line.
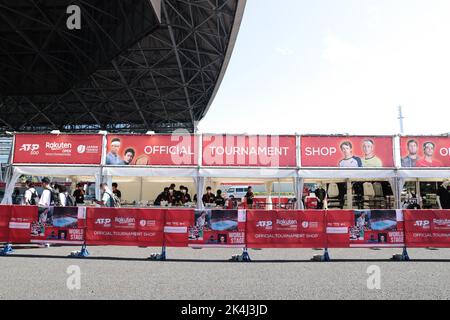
[(56, 194)]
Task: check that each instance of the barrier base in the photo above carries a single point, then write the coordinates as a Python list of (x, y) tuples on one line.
[(80, 254), (325, 257), (244, 257), (401, 257), (159, 256), (7, 249)]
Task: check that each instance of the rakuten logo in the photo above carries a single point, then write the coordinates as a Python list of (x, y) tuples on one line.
[(422, 223), (286, 223), (122, 220), (104, 221), (57, 146)]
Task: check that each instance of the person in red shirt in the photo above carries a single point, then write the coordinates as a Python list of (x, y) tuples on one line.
[(428, 152)]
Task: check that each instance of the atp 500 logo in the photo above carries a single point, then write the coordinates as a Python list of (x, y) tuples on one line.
[(265, 224), (425, 224), (33, 149), (106, 222)]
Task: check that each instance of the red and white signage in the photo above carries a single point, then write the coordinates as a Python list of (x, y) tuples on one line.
[(285, 229), (125, 227), (57, 149), (152, 150), (423, 152), (249, 151), (347, 151), (427, 228)]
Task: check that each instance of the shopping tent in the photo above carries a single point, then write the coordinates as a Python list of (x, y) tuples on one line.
[(15, 171)]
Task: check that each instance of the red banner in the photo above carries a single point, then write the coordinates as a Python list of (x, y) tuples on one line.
[(58, 149), (147, 150), (347, 152), (20, 223), (338, 224), (365, 228), (217, 228), (422, 152), (427, 228), (285, 229), (249, 151), (5, 215), (125, 227), (177, 222)]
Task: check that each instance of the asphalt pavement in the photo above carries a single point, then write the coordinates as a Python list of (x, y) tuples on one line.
[(126, 273)]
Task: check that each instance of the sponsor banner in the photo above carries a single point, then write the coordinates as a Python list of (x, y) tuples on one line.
[(177, 223), (20, 223), (5, 215), (149, 150), (347, 152), (338, 224), (377, 228), (125, 226), (423, 152), (249, 151), (427, 228), (64, 225), (217, 228), (285, 229), (58, 149)]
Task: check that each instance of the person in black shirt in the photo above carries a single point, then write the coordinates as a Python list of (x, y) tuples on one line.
[(163, 196), (220, 201), (444, 195), (321, 195), (79, 194), (208, 197), (185, 196), (249, 197), (116, 191)]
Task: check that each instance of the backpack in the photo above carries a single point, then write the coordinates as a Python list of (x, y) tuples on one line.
[(55, 198), (34, 195), (114, 201), (70, 200)]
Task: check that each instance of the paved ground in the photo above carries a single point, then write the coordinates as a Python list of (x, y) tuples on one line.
[(124, 273)]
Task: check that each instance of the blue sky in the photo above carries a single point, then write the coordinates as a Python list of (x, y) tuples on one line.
[(337, 66)]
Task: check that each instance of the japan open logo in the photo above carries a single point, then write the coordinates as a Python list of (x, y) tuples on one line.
[(81, 148), (143, 223), (305, 224)]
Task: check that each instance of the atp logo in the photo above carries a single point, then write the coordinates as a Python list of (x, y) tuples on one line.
[(422, 223), (81, 148), (104, 221), (28, 147), (265, 224)]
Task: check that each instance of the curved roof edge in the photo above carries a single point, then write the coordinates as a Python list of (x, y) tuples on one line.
[(234, 33)]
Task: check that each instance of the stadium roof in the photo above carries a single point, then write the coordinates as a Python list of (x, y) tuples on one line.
[(135, 65)]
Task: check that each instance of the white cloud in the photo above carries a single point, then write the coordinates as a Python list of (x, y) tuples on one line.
[(285, 51)]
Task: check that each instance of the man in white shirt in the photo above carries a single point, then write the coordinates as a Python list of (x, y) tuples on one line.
[(107, 197), (31, 196), (46, 197)]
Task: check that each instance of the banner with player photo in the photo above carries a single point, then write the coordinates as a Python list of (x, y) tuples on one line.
[(425, 152), (285, 229), (347, 151), (427, 228), (151, 150), (217, 228), (63, 225)]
